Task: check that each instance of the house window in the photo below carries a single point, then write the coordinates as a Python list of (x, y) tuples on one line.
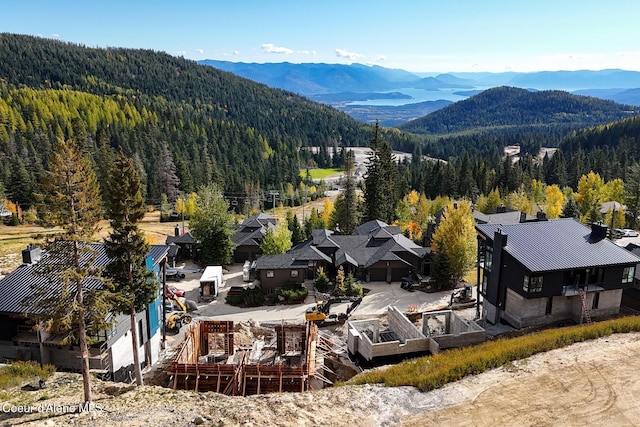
[(627, 274), (483, 288), (488, 260), (596, 301), (294, 273), (269, 273), (140, 333), (532, 284)]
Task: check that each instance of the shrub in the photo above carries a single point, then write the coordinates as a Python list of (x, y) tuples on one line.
[(293, 292), (322, 281), (17, 372)]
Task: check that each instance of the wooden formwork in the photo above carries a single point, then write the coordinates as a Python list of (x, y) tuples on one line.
[(208, 361)]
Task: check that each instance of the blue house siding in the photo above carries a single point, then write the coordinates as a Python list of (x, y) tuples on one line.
[(153, 309)]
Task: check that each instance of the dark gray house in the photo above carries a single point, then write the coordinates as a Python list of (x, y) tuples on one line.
[(248, 236), (374, 252), (110, 355), (535, 273)]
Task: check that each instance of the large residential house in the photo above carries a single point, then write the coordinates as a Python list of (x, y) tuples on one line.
[(374, 252), (248, 236), (536, 273), (111, 354)]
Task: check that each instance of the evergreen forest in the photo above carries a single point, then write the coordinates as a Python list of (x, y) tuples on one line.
[(188, 125)]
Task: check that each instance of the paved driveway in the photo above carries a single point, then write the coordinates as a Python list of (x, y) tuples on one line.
[(374, 304)]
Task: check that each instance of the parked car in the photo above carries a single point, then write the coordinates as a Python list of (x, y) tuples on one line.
[(172, 290), (628, 232), (173, 274)]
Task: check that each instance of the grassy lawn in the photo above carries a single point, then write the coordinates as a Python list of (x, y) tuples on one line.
[(321, 173)]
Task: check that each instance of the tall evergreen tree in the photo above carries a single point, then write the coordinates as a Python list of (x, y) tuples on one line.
[(20, 184), (168, 180), (632, 193), (347, 212), (570, 208), (381, 192), (127, 247), (71, 200)]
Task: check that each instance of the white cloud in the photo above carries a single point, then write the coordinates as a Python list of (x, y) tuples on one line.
[(200, 51), (342, 53), (271, 48), (308, 52), (55, 35)]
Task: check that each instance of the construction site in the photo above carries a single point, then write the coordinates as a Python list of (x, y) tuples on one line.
[(238, 361)]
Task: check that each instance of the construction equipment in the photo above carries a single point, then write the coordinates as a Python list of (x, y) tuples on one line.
[(177, 318), (462, 298), (320, 313)]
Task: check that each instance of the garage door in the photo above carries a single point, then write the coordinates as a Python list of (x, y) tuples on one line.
[(378, 274)]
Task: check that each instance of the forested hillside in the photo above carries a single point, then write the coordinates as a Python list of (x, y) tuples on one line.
[(509, 108), (169, 113)]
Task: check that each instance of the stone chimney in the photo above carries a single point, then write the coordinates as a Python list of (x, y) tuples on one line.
[(176, 231)]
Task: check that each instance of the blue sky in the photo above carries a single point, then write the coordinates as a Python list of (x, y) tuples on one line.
[(419, 35)]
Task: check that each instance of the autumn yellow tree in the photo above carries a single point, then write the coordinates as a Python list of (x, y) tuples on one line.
[(554, 201), (519, 200), (589, 196), (454, 241)]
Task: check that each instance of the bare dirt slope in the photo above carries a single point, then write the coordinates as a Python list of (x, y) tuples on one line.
[(591, 383)]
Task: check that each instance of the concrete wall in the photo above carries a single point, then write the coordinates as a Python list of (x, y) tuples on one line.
[(458, 332), (522, 312), (403, 328), (411, 340)]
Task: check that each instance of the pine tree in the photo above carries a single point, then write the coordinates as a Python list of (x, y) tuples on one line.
[(570, 209), (127, 247), (71, 200), (347, 213), (632, 193), (168, 180), (20, 184), (381, 193)]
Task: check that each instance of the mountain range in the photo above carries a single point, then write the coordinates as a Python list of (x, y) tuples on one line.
[(393, 96)]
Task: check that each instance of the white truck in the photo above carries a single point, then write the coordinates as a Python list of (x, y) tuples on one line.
[(210, 282)]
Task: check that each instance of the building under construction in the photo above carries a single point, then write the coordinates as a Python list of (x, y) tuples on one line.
[(208, 360)]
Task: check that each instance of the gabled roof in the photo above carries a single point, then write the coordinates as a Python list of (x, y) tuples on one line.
[(511, 217), (561, 244), (252, 230), (322, 238), (258, 220), (28, 278), (368, 227), (359, 250), (186, 238)]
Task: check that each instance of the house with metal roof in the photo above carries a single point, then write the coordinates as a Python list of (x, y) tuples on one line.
[(375, 252), (110, 354), (248, 236), (536, 273)]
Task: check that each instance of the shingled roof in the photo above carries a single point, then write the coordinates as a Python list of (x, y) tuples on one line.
[(561, 244)]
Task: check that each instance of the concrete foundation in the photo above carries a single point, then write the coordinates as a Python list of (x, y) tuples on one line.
[(208, 360), (450, 330), (440, 330)]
